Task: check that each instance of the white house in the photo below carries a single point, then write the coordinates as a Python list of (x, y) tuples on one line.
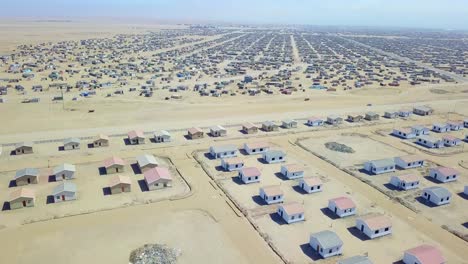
[(136, 137), (374, 226), (292, 171), (326, 243), (420, 130), (71, 144), (451, 141), (231, 164), (311, 184), (440, 127), (409, 161), (455, 125), (162, 136), (256, 147), (406, 133), (405, 113), (444, 174), (423, 110), (423, 254), (249, 175), (218, 131), (465, 191), (225, 151), (272, 194), (65, 191), (437, 195), (465, 123), (289, 123), (334, 120), (342, 206), (64, 172), (291, 212), (274, 156), (146, 162), (405, 182), (430, 142), (314, 121), (380, 166)]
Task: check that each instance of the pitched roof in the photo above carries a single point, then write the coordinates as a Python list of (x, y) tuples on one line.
[(293, 208), (383, 162), (26, 172), (293, 167), (312, 181), (446, 171), (101, 137), (22, 193), (250, 172), (450, 138), (327, 239), (375, 222), (114, 161), (71, 140), (144, 160), (194, 130), (248, 125), (256, 145), (24, 144), (411, 158), (274, 153), (162, 133), (438, 191), (223, 148), (119, 179), (64, 187), (427, 254), (343, 202), (136, 134), (408, 177), (233, 160), (272, 190), (64, 167), (314, 119), (217, 128), (157, 174)]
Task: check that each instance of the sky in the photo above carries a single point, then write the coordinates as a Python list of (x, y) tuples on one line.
[(440, 14)]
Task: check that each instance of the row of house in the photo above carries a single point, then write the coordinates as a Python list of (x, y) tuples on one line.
[(389, 165), (25, 197)]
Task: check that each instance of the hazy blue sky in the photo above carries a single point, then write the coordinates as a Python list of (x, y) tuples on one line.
[(450, 14)]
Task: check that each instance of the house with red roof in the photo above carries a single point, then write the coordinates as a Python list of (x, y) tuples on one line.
[(22, 197), (374, 226), (342, 206), (114, 165), (292, 171), (136, 137), (424, 254), (158, 178), (444, 174), (291, 212), (272, 194), (249, 175), (311, 184)]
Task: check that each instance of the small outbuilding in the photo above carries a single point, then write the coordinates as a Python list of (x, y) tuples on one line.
[(451, 141), (437, 195), (289, 123), (455, 125), (444, 174), (423, 110), (405, 182), (391, 115), (71, 144), (195, 133), (334, 120), (23, 148), (22, 197), (114, 165), (231, 164), (26, 176), (311, 184), (65, 191), (101, 141), (269, 126), (120, 184), (291, 212), (256, 147), (409, 161), (314, 121), (225, 151), (146, 162), (136, 137), (292, 171), (371, 116), (424, 254), (326, 243), (272, 194), (440, 127), (64, 171), (249, 128), (342, 206), (374, 226), (249, 175), (158, 178), (218, 131), (274, 156), (161, 136), (380, 166), (354, 118)]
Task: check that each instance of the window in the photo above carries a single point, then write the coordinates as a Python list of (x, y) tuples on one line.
[(256, 177), (292, 217), (312, 187), (376, 232), (318, 187), (274, 197), (386, 229), (280, 158), (442, 199), (330, 251), (249, 178)]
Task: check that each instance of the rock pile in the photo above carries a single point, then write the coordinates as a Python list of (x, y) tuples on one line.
[(154, 254), (339, 147)]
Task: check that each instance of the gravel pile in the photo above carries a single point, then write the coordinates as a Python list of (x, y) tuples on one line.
[(154, 254), (339, 147)]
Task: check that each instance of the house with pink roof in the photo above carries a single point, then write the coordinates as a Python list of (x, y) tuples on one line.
[(292, 171), (114, 165), (405, 182), (22, 197), (451, 141), (374, 226), (424, 254), (291, 212), (256, 147), (231, 164), (249, 175), (444, 174), (101, 141), (158, 178), (195, 133), (120, 184), (272, 194), (249, 128), (136, 137), (342, 206), (455, 125), (311, 184), (314, 121)]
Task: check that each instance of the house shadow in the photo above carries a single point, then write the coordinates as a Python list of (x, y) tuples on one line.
[(425, 202), (61, 148), (357, 233), (277, 219), (102, 171), (465, 224), (326, 211), (299, 190), (463, 195), (311, 253), (398, 262), (12, 184), (127, 142), (429, 178), (51, 178), (143, 186), (262, 161), (243, 152), (280, 176), (219, 168), (136, 169), (391, 187), (258, 200), (237, 180), (363, 171), (187, 137), (12, 153), (6, 206), (106, 191), (90, 145), (242, 131), (152, 140), (50, 199), (208, 156)]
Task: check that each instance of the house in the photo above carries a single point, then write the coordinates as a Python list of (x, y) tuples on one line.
[(272, 194), (274, 156), (451, 141), (355, 118), (225, 151), (71, 144), (120, 184), (256, 147), (114, 165), (314, 121), (405, 133), (311, 184), (291, 212), (440, 127), (65, 191), (420, 130), (465, 191), (342, 206), (269, 126), (326, 243), (380, 166), (157, 178), (23, 148), (437, 195), (249, 128), (444, 174), (26, 176), (64, 171), (289, 123), (230, 164), (455, 125), (218, 131), (334, 120), (355, 260), (101, 141), (374, 226), (391, 115), (22, 197), (405, 113), (465, 123), (162, 136), (423, 254), (249, 175), (146, 162), (292, 171), (409, 161), (423, 110), (371, 116), (136, 137), (195, 133), (430, 142), (405, 182)]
